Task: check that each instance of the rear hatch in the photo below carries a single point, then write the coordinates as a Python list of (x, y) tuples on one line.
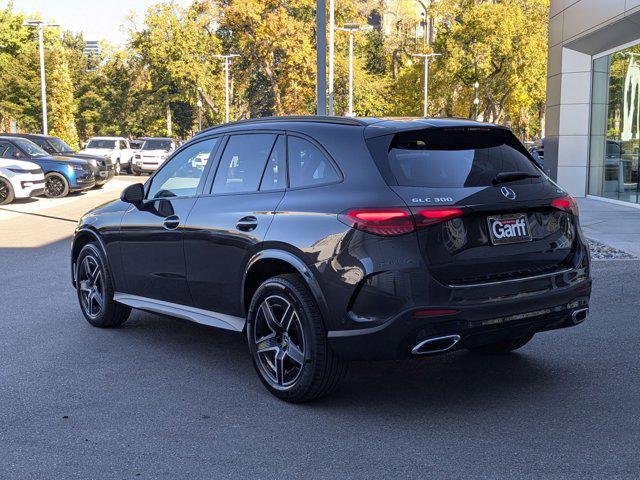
[(503, 218)]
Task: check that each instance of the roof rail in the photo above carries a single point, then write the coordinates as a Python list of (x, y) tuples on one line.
[(293, 118)]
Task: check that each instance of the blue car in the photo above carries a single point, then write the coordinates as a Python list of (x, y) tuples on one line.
[(62, 174)]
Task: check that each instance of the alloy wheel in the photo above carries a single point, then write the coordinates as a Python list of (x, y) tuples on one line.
[(54, 186), (4, 191), (279, 340), (92, 293)]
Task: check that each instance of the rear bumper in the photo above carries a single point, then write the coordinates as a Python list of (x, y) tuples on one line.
[(474, 324), (144, 168)]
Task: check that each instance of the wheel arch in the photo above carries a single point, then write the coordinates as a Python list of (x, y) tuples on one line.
[(82, 238), (271, 262)]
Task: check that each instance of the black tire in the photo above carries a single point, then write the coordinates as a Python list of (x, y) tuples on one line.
[(502, 347), (55, 185), (6, 192), (104, 314), (318, 370), (98, 186), (136, 172)]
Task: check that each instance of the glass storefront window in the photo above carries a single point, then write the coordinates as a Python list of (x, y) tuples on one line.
[(615, 126)]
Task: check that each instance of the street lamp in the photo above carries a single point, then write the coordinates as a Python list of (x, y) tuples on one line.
[(40, 25), (199, 114), (426, 20), (352, 28), (476, 100), (426, 57), (227, 58)]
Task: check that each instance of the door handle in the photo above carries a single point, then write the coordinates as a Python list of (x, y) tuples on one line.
[(246, 224), (171, 222)]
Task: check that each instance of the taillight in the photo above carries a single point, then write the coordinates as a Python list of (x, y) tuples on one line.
[(396, 221), (381, 221), (430, 216), (567, 203)]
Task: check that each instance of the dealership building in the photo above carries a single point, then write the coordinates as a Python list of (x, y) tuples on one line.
[(593, 98)]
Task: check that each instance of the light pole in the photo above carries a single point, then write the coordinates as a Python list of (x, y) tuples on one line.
[(321, 57), (476, 100), (332, 27), (227, 58), (199, 114), (426, 57), (39, 24), (352, 28)]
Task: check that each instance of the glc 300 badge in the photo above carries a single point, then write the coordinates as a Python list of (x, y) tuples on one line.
[(508, 193)]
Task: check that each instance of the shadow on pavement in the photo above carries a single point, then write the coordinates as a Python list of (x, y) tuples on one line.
[(455, 381)]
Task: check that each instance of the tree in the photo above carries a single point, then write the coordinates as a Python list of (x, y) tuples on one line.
[(61, 100), (502, 45), (174, 50), (19, 73), (169, 64), (277, 64)]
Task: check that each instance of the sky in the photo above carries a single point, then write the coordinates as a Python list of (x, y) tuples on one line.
[(97, 19)]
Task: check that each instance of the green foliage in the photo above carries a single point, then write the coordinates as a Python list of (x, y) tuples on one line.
[(60, 98), (170, 57), (502, 45)]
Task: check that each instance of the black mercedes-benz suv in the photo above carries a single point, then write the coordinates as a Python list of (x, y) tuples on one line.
[(328, 239)]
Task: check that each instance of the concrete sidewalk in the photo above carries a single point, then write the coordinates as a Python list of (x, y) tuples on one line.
[(615, 225)]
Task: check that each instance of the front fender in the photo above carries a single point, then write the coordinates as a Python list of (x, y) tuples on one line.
[(84, 235)]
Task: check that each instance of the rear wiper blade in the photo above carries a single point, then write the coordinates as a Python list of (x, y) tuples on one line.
[(503, 177)]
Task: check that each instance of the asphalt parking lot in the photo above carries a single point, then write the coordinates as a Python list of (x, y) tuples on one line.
[(164, 398)]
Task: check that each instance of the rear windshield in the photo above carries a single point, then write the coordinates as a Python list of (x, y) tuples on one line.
[(156, 144), (455, 157), (101, 144)]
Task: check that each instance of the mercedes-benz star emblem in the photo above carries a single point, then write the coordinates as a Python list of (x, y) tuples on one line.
[(508, 193)]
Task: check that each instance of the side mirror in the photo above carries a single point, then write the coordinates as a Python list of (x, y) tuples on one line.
[(133, 194)]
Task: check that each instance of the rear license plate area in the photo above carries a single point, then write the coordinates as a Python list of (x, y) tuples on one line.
[(504, 229)]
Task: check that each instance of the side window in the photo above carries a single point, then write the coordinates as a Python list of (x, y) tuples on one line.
[(43, 144), (274, 176), (243, 162), (181, 175), (308, 166), (9, 151)]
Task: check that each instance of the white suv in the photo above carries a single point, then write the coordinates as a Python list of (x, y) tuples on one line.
[(19, 179), (116, 148), (152, 154)]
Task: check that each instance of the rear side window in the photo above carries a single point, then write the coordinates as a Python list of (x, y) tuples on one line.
[(456, 158), (243, 163), (42, 143), (308, 166), (274, 177)]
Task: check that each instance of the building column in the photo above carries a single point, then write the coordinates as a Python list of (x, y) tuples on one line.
[(567, 123)]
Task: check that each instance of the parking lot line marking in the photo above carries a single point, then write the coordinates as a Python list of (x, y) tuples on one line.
[(41, 215)]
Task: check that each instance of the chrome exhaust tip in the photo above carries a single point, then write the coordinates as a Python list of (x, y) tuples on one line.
[(435, 345), (579, 315)]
